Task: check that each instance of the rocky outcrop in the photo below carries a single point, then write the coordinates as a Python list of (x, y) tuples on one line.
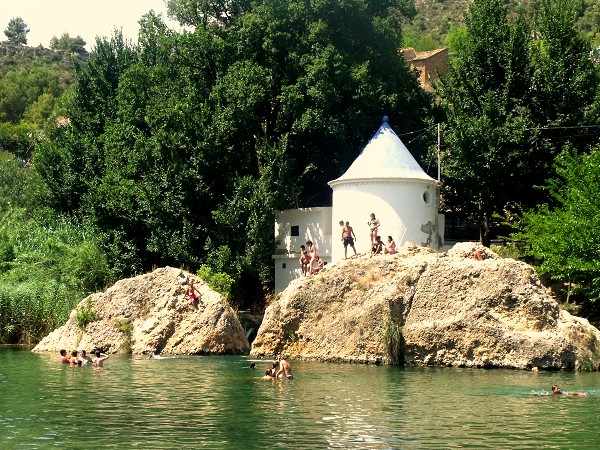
[(149, 313), (421, 307)]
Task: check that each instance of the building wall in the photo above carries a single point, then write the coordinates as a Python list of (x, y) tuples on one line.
[(293, 227), (429, 64), (407, 210)]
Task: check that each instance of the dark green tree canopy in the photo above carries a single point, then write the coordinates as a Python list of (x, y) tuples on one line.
[(509, 100), (17, 30), (182, 148)]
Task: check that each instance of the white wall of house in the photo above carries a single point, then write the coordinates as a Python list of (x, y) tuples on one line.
[(293, 227), (407, 210)]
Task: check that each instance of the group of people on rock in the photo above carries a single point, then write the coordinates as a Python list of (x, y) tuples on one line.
[(79, 359), (377, 245), (281, 369), (310, 263)]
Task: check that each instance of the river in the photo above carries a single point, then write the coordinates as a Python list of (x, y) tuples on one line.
[(219, 403)]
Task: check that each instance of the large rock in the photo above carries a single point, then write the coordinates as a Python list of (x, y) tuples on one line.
[(421, 307), (148, 313)]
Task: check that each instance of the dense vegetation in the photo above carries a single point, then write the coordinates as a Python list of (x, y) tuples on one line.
[(179, 149)]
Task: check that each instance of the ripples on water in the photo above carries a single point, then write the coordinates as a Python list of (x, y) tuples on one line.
[(217, 402)]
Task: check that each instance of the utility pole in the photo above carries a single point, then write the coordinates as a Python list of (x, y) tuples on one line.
[(438, 155)]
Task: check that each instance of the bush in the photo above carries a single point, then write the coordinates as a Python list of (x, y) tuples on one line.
[(219, 281)]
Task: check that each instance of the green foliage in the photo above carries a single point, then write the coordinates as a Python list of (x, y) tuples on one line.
[(126, 327), (85, 315), (503, 96), (394, 340), (218, 281), (68, 44), (191, 141), (16, 31), (564, 237), (47, 263)]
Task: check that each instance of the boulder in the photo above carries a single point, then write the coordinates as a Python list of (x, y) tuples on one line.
[(149, 314), (423, 307)]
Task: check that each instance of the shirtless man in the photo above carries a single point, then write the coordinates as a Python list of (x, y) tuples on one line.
[(98, 361), (556, 391), (348, 238), (191, 292), (63, 357), (285, 368)]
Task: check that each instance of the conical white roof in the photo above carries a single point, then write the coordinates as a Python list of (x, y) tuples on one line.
[(385, 156)]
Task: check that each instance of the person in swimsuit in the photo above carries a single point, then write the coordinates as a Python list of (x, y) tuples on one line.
[(98, 361), (74, 359), (390, 247), (64, 358), (304, 260), (556, 392), (377, 246), (285, 368), (348, 238), (374, 225), (84, 358), (312, 251), (193, 294)]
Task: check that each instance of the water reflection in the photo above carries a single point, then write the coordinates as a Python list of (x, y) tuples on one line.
[(217, 402)]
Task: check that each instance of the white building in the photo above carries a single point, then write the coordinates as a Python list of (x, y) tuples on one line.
[(385, 180)]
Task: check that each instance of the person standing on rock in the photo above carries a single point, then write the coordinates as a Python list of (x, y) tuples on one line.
[(304, 260), (193, 294), (312, 251), (348, 238), (374, 225)]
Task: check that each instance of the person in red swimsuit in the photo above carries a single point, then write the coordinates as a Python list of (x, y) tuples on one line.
[(193, 294)]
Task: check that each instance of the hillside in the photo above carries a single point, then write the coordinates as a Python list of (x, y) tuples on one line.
[(428, 30)]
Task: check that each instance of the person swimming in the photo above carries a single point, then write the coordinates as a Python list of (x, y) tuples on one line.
[(556, 392)]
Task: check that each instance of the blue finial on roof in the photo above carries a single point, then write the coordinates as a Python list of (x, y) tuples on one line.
[(385, 119)]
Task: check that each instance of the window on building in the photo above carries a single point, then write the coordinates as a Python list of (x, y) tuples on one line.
[(283, 266), (295, 231)]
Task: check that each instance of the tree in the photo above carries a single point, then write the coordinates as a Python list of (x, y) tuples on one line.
[(68, 44), (486, 98), (181, 150), (564, 237), (17, 30), (512, 103)]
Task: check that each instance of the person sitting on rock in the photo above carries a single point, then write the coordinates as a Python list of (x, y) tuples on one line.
[(193, 294), (479, 254), (377, 246), (390, 248)]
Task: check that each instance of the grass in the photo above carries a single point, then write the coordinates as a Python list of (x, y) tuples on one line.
[(394, 340)]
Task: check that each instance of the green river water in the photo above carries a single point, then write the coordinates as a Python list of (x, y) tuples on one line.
[(218, 402)]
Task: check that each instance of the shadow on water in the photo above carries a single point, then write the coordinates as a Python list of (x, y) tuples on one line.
[(218, 402)]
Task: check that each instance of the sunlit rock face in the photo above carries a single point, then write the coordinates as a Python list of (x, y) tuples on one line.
[(149, 314), (437, 308)]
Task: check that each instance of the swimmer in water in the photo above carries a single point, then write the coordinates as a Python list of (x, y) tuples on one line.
[(556, 391)]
